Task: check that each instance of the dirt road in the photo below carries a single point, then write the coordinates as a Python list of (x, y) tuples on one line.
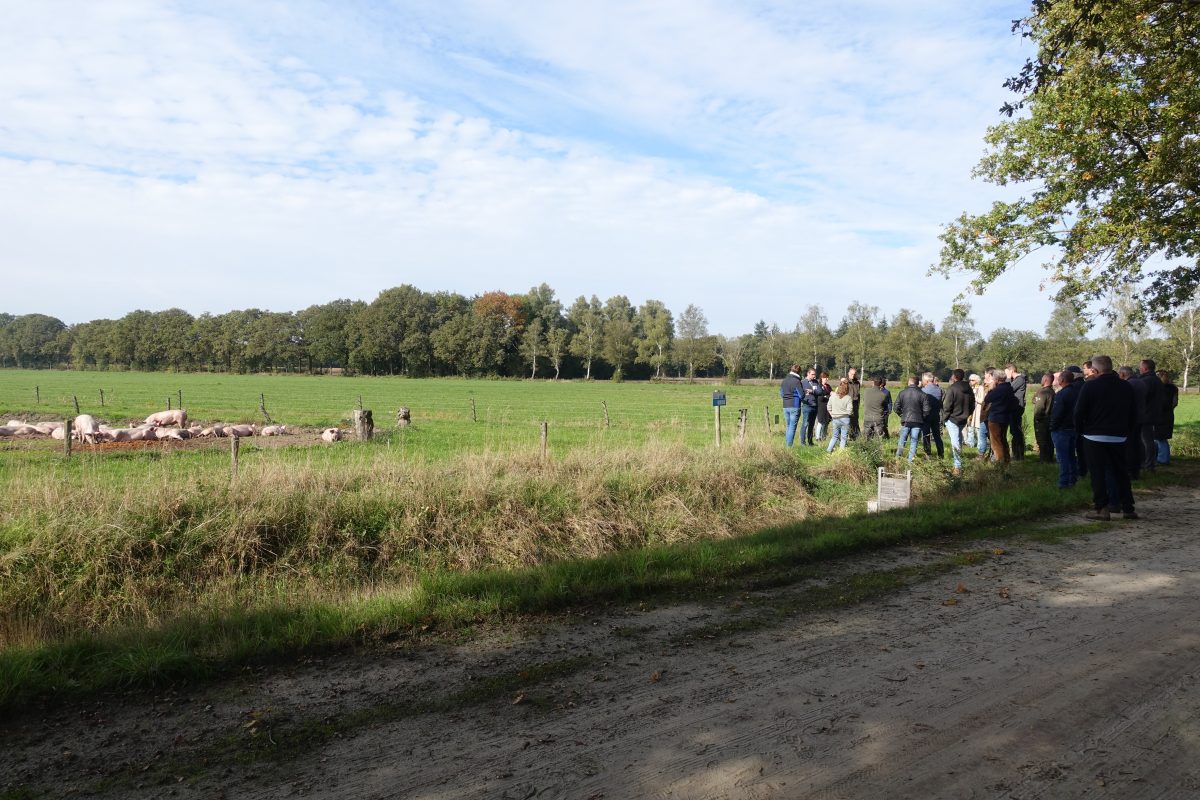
[(1055, 669)]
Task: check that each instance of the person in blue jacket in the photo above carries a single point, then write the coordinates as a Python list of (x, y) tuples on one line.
[(790, 394)]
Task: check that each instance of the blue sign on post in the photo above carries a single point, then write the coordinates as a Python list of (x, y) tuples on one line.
[(718, 398)]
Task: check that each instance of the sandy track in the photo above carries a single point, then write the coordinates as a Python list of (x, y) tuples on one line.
[(1066, 670)]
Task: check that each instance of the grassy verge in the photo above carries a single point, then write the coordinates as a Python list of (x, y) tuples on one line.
[(199, 644)]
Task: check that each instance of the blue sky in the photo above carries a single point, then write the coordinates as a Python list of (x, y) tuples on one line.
[(749, 157)]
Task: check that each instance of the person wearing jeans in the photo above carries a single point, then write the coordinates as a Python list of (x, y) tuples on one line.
[(912, 406), (841, 409), (789, 393), (1062, 428), (810, 390), (958, 406)]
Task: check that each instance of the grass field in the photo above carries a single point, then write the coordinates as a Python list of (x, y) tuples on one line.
[(509, 413), (145, 566)]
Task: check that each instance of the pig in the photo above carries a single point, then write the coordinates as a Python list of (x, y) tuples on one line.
[(120, 435), (174, 417), (331, 435), (59, 433), (239, 430), (8, 430), (86, 428), (168, 433), (143, 433), (274, 430), (48, 428), (194, 431), (21, 429)]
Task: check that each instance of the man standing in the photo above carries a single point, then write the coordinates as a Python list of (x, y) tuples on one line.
[(1152, 414), (958, 407), (876, 405), (932, 428), (1043, 400), (1165, 425), (913, 408), (810, 389), (1062, 428), (1133, 446), (789, 393), (855, 397), (1105, 415), (1016, 380)]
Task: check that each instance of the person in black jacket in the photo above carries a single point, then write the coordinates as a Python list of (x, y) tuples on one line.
[(1151, 414), (1133, 446), (1000, 409), (1164, 426), (913, 407), (1105, 416), (1062, 427), (855, 397), (810, 390), (958, 406), (1016, 425)]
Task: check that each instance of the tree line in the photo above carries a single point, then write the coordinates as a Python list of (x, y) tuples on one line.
[(406, 331)]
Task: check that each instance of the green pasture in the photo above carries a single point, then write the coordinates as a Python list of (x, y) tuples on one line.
[(509, 413)]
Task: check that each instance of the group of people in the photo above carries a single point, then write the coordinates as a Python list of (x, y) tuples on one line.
[(1090, 420)]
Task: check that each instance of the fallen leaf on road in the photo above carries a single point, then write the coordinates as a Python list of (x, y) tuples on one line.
[(655, 677), (1004, 592), (519, 699), (961, 588), (998, 551), (952, 601)]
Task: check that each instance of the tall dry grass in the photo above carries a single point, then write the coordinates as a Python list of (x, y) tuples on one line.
[(88, 553)]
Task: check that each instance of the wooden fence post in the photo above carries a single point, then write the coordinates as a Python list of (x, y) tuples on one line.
[(473, 417), (262, 406), (102, 398), (234, 444), (37, 393), (168, 402), (767, 417), (76, 399), (545, 438), (181, 398), (364, 425), (605, 404), (743, 414), (67, 438), (717, 425)]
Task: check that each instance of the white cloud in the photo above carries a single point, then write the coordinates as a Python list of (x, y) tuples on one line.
[(748, 160)]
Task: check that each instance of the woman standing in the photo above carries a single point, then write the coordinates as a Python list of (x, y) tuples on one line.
[(823, 417), (841, 406), (1000, 405)]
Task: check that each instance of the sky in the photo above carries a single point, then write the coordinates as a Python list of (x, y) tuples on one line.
[(750, 158)]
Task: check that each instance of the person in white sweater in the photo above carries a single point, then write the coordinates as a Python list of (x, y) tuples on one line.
[(841, 408)]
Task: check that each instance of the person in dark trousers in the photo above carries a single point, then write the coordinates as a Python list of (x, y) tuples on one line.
[(1000, 409), (1133, 445), (1043, 399), (1105, 416), (1062, 428), (823, 418), (913, 408), (876, 406), (856, 398), (789, 393), (932, 428), (810, 389), (1165, 425), (1151, 414), (958, 406), (1016, 426), (1086, 373)]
